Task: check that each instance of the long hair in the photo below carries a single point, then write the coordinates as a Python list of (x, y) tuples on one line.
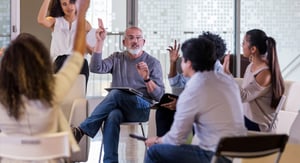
[(55, 9), (267, 47), (25, 71)]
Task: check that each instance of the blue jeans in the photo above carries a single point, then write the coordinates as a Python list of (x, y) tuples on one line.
[(117, 107), (250, 125), (165, 153)]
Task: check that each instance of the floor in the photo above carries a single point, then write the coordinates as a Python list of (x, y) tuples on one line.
[(130, 150)]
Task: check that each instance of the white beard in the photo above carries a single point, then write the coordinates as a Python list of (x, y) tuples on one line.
[(134, 51)]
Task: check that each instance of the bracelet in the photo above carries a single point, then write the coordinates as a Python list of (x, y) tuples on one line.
[(147, 80), (156, 140)]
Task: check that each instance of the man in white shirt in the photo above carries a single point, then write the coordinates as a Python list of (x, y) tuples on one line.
[(218, 113)]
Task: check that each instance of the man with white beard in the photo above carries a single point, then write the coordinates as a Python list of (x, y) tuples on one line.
[(132, 68)]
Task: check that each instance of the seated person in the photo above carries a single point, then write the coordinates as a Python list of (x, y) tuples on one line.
[(165, 114), (133, 68), (30, 95), (218, 113), (263, 84)]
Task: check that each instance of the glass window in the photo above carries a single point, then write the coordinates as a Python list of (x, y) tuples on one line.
[(280, 19)]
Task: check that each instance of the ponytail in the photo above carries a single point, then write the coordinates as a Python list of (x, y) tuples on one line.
[(277, 79)]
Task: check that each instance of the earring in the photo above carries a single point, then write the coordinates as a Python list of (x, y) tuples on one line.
[(251, 58)]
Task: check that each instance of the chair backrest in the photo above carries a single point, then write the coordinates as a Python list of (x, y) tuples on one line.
[(278, 108), (77, 91), (31, 148), (294, 131), (251, 146), (292, 89)]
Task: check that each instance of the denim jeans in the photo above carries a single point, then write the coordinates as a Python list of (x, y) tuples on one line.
[(117, 107), (165, 153)]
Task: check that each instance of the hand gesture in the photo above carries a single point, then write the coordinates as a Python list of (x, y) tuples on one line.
[(174, 52), (2, 51), (143, 70), (170, 105), (226, 63), (100, 36), (100, 32)]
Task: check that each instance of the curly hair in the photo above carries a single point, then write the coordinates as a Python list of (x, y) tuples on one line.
[(218, 41), (25, 71)]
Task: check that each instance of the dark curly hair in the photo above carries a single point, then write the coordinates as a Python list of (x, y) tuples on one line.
[(25, 71), (218, 41)]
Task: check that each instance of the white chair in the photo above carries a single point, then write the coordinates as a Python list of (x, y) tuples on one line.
[(292, 89), (278, 108), (34, 148), (74, 107)]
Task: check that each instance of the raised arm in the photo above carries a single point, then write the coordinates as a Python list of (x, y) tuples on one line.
[(174, 55), (42, 18), (80, 36)]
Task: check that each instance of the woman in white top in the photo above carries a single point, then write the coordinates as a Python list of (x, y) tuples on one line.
[(62, 21), (30, 95)]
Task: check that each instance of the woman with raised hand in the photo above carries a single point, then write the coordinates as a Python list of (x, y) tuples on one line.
[(30, 95), (62, 21)]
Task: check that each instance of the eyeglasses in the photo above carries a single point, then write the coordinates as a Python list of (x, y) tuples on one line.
[(131, 38)]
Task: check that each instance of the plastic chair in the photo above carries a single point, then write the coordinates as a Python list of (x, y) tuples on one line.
[(35, 148), (278, 108), (253, 146)]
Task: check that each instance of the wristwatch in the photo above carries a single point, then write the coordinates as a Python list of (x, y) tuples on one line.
[(147, 80)]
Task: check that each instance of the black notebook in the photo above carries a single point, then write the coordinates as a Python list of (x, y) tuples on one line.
[(165, 99), (126, 89)]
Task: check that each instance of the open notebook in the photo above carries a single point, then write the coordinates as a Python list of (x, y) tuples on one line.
[(126, 89)]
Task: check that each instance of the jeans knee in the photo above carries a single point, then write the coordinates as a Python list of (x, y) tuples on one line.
[(115, 117)]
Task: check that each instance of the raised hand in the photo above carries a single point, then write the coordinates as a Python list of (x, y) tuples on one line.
[(100, 37), (174, 52), (100, 32), (226, 63)]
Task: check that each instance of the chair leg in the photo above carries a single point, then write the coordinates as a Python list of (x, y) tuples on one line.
[(142, 128), (101, 147)]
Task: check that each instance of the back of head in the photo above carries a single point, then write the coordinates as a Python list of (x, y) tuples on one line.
[(25, 70), (218, 41), (201, 52)]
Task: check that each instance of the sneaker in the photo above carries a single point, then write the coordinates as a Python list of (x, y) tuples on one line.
[(77, 132)]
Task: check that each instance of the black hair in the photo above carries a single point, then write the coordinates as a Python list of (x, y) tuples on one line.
[(218, 41), (55, 9), (201, 52)]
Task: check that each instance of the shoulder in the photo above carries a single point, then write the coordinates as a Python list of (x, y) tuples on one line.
[(263, 78), (150, 58)]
